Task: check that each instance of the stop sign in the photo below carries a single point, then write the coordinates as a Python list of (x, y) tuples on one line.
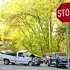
[(63, 12)]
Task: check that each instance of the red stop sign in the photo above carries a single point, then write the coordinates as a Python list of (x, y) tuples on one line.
[(63, 12)]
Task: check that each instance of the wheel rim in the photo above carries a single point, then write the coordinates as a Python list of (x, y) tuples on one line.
[(30, 63), (6, 61)]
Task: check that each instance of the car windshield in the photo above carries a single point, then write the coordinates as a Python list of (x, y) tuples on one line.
[(27, 53)]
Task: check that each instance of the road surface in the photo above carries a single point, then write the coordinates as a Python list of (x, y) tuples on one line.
[(24, 67)]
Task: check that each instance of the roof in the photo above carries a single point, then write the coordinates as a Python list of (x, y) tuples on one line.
[(23, 51)]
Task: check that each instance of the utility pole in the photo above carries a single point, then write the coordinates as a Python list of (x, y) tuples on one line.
[(50, 35)]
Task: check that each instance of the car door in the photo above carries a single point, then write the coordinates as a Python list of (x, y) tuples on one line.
[(22, 59)]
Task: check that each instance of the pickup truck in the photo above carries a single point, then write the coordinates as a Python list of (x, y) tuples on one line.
[(21, 57), (58, 59)]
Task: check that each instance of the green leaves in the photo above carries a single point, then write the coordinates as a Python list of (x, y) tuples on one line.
[(27, 25)]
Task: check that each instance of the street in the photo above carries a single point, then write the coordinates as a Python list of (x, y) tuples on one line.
[(24, 67)]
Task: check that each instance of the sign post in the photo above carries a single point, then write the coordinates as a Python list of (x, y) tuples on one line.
[(63, 14), (67, 44)]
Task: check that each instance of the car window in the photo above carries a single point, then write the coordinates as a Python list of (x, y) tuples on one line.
[(20, 54), (53, 55), (27, 54)]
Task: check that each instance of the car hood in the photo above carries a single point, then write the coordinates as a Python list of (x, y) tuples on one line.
[(63, 58)]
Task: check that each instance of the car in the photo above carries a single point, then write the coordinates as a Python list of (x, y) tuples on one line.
[(58, 59), (21, 57)]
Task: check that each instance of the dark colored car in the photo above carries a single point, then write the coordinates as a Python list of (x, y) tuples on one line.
[(58, 59)]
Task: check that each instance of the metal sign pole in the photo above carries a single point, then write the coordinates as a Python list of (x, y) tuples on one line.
[(67, 44)]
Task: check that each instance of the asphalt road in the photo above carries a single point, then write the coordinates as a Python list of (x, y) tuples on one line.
[(24, 67)]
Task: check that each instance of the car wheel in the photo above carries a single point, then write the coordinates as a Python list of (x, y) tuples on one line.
[(6, 61), (31, 63)]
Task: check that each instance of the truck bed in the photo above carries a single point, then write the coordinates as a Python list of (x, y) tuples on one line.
[(7, 55)]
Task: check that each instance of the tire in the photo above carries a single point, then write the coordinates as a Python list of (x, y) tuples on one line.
[(30, 63), (6, 61)]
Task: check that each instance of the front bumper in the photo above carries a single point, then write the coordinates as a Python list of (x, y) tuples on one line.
[(64, 65), (67, 65)]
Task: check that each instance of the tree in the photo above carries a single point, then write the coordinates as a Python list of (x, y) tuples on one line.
[(27, 25)]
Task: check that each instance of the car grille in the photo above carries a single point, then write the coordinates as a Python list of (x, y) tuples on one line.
[(66, 61)]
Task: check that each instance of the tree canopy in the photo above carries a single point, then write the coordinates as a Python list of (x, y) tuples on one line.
[(32, 25)]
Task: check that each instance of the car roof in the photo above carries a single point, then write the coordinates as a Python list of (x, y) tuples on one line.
[(23, 51)]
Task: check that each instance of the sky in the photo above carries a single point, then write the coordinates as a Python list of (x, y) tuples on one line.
[(0, 3)]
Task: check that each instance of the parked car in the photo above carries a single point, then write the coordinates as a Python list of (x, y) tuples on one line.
[(21, 57), (58, 59)]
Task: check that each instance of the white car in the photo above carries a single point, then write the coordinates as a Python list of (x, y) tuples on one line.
[(21, 57)]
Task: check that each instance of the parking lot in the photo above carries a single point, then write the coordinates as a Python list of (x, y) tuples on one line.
[(24, 67)]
